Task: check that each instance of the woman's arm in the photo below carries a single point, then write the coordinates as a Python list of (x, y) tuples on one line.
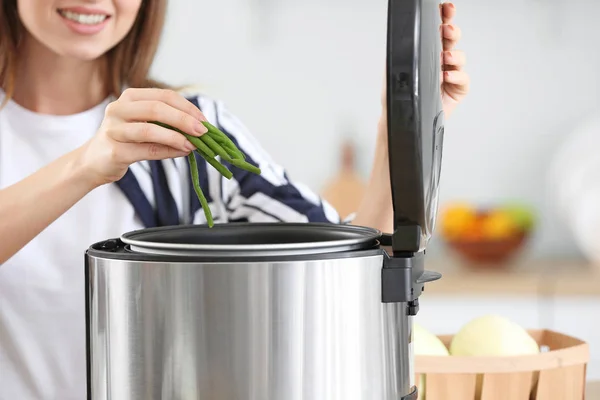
[(29, 206), (376, 208)]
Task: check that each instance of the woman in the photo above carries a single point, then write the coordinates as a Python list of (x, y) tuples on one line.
[(74, 169)]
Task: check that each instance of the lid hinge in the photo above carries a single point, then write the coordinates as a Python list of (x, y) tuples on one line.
[(403, 275), (406, 239)]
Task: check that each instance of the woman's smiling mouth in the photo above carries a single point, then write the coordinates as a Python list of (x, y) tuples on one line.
[(84, 21)]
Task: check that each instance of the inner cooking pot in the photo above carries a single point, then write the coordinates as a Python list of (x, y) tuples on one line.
[(251, 239)]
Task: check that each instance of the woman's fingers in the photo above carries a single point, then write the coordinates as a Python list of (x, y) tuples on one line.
[(136, 108), (151, 110), (450, 35), (144, 132), (458, 80), (150, 151), (453, 60), (166, 96), (153, 151), (127, 134), (448, 10)]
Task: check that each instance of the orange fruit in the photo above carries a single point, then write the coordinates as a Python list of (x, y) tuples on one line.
[(474, 233), (457, 220), (498, 225)]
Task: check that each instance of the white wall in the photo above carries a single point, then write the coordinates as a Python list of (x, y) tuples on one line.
[(305, 70)]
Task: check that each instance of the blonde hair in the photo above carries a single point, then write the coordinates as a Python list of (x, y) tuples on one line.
[(129, 61)]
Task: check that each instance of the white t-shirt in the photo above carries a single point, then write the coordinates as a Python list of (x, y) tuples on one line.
[(42, 328), (42, 315)]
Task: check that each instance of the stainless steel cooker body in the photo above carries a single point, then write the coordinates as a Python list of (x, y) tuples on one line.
[(301, 317)]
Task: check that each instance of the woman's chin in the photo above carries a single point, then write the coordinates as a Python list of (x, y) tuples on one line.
[(82, 52)]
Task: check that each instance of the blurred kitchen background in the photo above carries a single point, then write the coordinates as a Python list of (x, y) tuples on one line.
[(305, 76)]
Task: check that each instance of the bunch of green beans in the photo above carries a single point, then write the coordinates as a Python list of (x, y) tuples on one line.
[(213, 143)]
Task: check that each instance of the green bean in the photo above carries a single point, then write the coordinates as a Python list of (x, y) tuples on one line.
[(218, 166), (235, 156), (209, 145), (227, 144), (216, 132), (200, 145), (223, 140), (196, 182), (192, 139), (214, 146), (245, 166), (218, 136), (234, 152)]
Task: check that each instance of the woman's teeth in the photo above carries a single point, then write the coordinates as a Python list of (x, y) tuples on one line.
[(86, 19)]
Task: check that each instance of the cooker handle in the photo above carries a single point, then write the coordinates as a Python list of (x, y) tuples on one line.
[(429, 276)]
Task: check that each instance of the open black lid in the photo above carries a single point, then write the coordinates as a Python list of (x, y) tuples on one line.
[(415, 118)]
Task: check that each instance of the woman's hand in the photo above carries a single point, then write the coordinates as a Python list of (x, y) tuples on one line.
[(125, 136), (455, 81), (455, 84)]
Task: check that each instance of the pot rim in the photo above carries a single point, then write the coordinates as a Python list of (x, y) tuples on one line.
[(352, 237)]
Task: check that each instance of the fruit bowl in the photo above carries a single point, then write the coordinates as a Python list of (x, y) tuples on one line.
[(486, 236), (488, 251)]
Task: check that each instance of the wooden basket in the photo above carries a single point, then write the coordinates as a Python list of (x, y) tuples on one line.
[(555, 374)]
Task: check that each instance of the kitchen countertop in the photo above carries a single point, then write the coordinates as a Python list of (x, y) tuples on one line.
[(522, 277)]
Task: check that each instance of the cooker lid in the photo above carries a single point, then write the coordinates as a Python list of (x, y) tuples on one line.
[(251, 239), (415, 118)]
